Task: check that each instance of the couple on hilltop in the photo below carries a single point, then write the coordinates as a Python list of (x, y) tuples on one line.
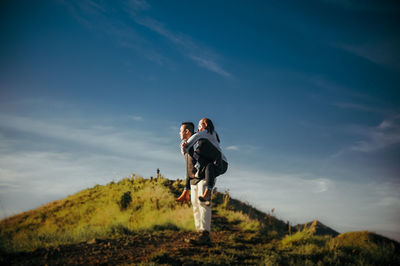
[(204, 162)]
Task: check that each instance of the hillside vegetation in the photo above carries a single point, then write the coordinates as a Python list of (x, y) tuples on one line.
[(98, 212), (141, 213)]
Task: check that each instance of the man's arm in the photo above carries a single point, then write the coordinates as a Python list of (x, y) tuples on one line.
[(193, 139), (185, 196), (183, 145)]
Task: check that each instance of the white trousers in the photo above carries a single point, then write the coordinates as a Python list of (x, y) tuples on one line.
[(201, 212)]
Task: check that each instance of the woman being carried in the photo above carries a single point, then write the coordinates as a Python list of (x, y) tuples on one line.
[(211, 162)]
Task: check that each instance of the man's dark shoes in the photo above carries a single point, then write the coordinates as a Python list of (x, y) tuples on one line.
[(202, 239)]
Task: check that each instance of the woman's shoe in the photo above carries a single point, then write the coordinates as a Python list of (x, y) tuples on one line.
[(206, 198), (184, 197)]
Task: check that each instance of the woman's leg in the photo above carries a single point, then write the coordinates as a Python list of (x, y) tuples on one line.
[(209, 183)]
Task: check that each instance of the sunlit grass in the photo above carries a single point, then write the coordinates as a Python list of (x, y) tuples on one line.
[(356, 248), (240, 220), (96, 213)]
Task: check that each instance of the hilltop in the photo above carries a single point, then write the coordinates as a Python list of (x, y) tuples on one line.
[(136, 220)]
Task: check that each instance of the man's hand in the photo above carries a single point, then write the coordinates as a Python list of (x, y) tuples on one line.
[(184, 197)]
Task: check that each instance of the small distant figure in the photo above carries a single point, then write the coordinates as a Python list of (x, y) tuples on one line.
[(133, 176), (158, 173)]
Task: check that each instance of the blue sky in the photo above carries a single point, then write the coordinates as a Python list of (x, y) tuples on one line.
[(305, 98)]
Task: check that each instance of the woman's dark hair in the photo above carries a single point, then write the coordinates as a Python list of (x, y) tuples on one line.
[(189, 125), (210, 127)]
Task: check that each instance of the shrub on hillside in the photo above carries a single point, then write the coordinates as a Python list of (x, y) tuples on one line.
[(126, 199)]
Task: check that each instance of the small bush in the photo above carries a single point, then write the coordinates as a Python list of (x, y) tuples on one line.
[(126, 199)]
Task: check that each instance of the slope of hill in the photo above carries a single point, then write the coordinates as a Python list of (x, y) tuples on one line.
[(102, 211), (137, 221), (123, 208)]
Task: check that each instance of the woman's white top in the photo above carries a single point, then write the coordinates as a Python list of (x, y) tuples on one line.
[(204, 135)]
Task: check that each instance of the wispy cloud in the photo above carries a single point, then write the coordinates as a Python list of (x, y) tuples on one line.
[(45, 159), (211, 65), (243, 148), (385, 134), (372, 138), (277, 190), (349, 98), (137, 118), (100, 17), (201, 56), (232, 148), (383, 53), (104, 18), (301, 197), (359, 107), (129, 142), (340, 89), (160, 28), (138, 5)]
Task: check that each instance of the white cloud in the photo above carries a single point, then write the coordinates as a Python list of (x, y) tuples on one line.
[(243, 148), (210, 64), (201, 56), (122, 142), (232, 148), (385, 134), (100, 17), (278, 187), (44, 159), (137, 118), (302, 197), (385, 124), (159, 28), (138, 5), (371, 138)]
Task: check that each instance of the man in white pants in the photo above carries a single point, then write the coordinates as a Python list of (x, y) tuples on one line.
[(201, 212)]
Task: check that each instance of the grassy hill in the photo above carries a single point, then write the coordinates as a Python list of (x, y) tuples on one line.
[(143, 211), (98, 212)]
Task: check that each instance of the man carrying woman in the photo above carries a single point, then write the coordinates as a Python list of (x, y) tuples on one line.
[(204, 162)]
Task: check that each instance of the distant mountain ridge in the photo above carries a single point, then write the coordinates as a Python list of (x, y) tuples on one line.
[(317, 228)]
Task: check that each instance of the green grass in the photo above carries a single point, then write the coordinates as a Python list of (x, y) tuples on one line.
[(122, 208), (96, 213), (357, 248)]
